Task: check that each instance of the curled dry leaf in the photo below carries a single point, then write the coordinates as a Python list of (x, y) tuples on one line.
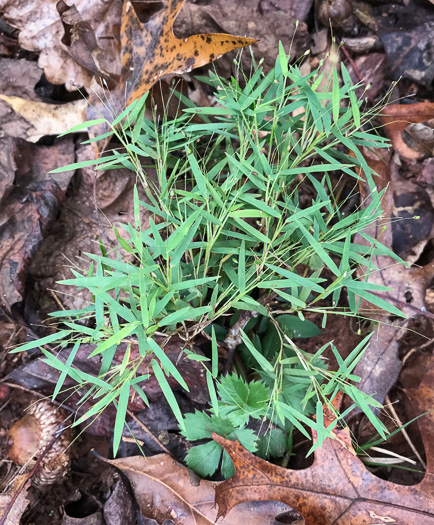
[(337, 488), (75, 41), (165, 490), (397, 117)]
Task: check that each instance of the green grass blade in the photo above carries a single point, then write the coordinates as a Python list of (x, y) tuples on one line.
[(168, 394), (121, 412)]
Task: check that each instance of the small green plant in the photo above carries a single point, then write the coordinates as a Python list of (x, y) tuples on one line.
[(232, 253)]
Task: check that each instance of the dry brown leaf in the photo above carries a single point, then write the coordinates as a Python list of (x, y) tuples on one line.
[(150, 51), (25, 216), (17, 78), (337, 488), (42, 29), (397, 117), (32, 120), (12, 511), (165, 490), (407, 37), (270, 21)]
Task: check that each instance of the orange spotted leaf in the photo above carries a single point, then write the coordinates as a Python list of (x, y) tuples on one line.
[(151, 50)]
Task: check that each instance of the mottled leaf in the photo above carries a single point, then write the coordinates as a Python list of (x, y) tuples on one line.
[(337, 488), (150, 51)]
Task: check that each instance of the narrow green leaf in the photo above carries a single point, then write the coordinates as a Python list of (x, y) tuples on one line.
[(191, 283), (198, 175), (252, 231), (215, 353), (115, 339), (121, 412), (84, 125), (63, 375), (335, 95), (168, 394), (83, 164), (184, 314), (98, 407), (316, 246), (212, 392), (124, 113), (166, 363), (37, 343), (263, 362)]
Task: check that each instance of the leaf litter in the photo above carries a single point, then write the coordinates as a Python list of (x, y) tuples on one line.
[(166, 490), (406, 227)]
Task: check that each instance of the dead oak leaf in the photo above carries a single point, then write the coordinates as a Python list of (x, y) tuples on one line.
[(165, 490), (151, 50), (337, 489)]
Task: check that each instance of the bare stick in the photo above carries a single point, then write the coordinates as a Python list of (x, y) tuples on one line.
[(146, 429)]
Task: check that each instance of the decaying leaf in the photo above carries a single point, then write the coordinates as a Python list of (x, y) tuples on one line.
[(25, 215), (165, 490), (405, 227), (150, 51), (337, 488), (12, 511), (397, 117), (407, 40), (75, 41), (371, 69), (380, 365), (18, 78), (29, 198), (32, 120)]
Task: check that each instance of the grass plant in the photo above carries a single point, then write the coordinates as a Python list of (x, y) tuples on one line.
[(229, 243)]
